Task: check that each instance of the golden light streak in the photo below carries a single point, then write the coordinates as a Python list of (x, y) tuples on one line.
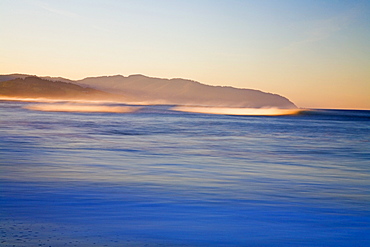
[(81, 108), (239, 111)]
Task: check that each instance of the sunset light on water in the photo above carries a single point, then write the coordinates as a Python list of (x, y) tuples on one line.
[(81, 108), (239, 111)]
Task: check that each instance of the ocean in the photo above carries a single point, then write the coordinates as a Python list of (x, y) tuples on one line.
[(160, 177)]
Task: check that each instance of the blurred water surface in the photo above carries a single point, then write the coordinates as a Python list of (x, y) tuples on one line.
[(160, 177)]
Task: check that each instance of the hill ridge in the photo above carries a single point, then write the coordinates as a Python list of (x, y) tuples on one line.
[(141, 88)]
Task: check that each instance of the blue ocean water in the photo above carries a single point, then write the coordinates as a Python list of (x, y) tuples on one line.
[(157, 177)]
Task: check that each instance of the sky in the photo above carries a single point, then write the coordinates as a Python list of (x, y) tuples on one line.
[(316, 53)]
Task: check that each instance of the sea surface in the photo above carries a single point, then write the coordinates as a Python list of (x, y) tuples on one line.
[(160, 177)]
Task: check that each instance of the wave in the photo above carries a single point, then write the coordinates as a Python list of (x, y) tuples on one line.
[(238, 111), (81, 105), (337, 114), (70, 107)]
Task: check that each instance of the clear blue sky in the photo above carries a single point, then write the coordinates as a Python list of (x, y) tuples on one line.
[(316, 53)]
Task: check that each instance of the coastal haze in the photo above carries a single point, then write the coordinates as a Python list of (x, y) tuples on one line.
[(180, 91), (140, 89)]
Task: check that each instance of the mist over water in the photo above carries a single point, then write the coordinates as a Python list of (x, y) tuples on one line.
[(41, 104), (157, 176), (239, 111), (68, 107)]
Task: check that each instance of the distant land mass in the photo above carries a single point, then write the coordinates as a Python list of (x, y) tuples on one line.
[(143, 89), (35, 87)]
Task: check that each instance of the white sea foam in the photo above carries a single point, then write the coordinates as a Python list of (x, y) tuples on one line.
[(238, 111), (69, 107)]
